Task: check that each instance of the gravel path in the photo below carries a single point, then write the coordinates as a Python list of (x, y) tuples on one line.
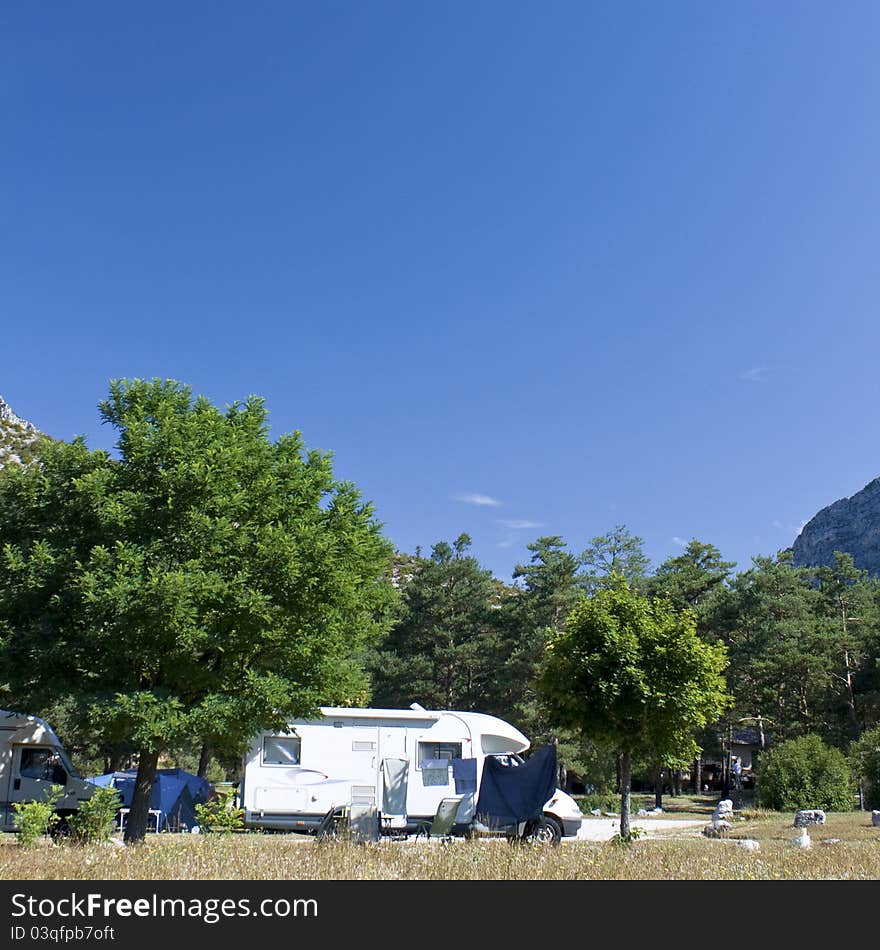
[(603, 829)]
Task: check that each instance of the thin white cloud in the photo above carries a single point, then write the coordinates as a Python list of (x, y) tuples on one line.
[(757, 374), (519, 525), (680, 542), (476, 499), (776, 523)]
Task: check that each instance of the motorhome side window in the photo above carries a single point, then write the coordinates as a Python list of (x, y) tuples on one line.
[(431, 751), (281, 750), (41, 763)]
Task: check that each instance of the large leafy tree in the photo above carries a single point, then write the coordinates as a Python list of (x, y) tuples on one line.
[(204, 582), (692, 580), (631, 673), (443, 651), (546, 592)]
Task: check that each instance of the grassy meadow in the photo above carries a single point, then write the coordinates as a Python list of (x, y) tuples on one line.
[(846, 847)]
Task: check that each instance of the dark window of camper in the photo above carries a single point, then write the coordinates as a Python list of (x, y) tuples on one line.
[(42, 763), (439, 750), (281, 750)]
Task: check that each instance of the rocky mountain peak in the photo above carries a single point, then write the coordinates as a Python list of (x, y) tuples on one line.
[(851, 525), (18, 437)]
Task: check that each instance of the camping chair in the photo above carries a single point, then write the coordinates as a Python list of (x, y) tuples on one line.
[(356, 822), (363, 822), (444, 819), (331, 823)]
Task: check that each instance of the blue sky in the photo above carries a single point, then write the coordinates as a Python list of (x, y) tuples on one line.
[(523, 268)]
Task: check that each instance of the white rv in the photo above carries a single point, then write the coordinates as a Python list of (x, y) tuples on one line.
[(32, 760), (400, 760)]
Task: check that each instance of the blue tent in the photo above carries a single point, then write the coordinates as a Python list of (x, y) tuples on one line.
[(175, 795)]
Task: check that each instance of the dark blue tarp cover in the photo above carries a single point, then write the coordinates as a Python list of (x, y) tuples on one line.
[(175, 793), (513, 793)]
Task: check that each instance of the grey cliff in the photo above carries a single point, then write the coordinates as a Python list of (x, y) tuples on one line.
[(851, 525)]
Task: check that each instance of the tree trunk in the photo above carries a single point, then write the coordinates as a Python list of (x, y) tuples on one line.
[(625, 784), (204, 761), (136, 825), (658, 788), (698, 775)]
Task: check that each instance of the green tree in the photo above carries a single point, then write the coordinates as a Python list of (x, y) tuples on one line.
[(865, 761), (633, 674), (848, 606), (546, 592), (780, 654), (204, 584), (688, 579), (617, 553), (443, 652), (691, 580), (804, 773)]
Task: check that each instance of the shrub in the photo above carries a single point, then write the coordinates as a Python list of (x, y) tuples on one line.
[(36, 819), (220, 815), (865, 759), (804, 773), (95, 820), (605, 801)]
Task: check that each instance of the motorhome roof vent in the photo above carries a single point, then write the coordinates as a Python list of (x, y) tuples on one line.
[(417, 707)]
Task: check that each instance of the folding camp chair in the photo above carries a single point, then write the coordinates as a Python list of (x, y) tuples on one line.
[(363, 822), (442, 824), (356, 822), (331, 823)]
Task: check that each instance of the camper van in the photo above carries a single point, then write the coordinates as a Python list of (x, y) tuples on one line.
[(403, 761), (32, 760)]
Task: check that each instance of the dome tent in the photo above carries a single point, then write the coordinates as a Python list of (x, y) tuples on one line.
[(175, 795)]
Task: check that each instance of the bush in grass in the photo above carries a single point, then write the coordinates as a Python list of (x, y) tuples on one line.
[(605, 801), (95, 820), (36, 819), (220, 815), (865, 759), (804, 773)]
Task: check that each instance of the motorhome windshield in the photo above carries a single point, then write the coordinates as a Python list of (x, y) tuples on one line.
[(65, 761), (510, 759)]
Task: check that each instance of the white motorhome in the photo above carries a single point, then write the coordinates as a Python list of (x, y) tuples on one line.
[(292, 779), (32, 760)]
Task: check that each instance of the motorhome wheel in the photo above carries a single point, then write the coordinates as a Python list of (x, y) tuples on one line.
[(544, 830)]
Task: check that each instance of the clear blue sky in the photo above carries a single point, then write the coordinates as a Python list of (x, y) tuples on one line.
[(599, 263)]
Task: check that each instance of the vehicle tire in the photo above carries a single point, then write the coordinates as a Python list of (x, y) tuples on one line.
[(61, 829), (544, 830)]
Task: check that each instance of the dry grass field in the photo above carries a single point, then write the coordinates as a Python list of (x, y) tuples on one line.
[(847, 847)]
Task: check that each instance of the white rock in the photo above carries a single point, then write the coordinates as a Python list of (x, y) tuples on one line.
[(875, 819), (748, 844), (717, 829), (809, 816), (801, 841)]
